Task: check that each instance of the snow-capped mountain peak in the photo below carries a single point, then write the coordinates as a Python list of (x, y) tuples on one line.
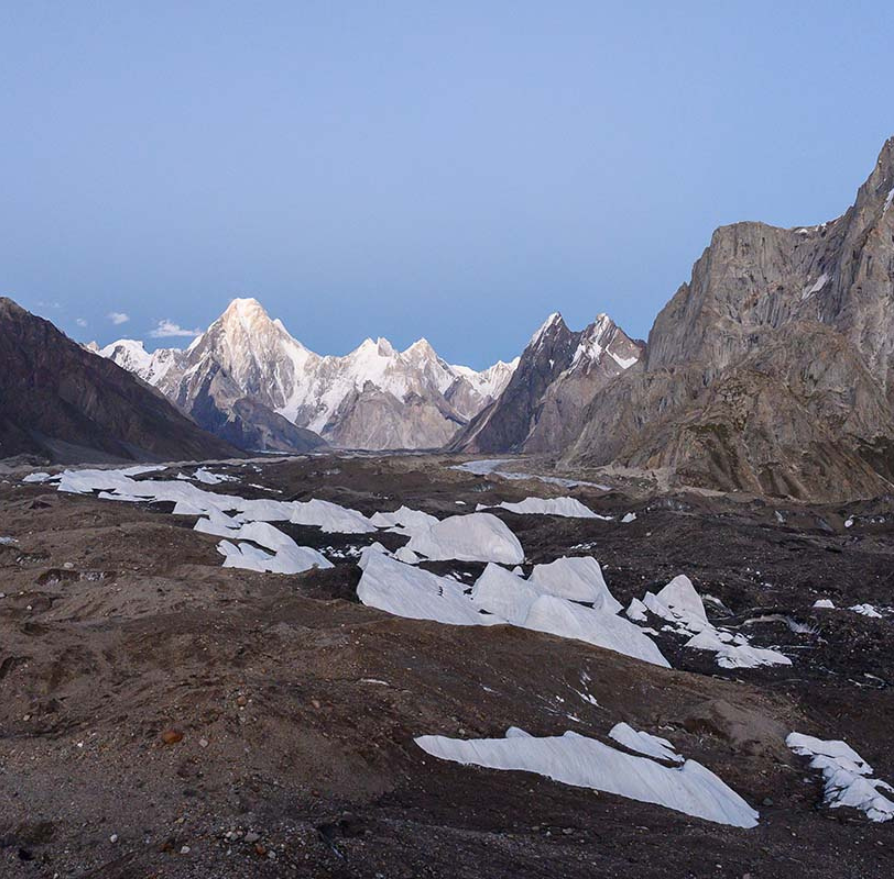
[(362, 399), (554, 320)]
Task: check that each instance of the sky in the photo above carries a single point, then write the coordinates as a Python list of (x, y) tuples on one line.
[(403, 169)]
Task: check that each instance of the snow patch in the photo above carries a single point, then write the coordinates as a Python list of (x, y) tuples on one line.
[(566, 507), (644, 743), (681, 606), (580, 761), (820, 283), (497, 597), (846, 775)]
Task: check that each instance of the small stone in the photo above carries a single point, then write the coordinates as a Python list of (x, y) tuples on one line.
[(251, 836), (568, 831), (241, 701), (315, 703), (768, 801), (172, 736), (203, 743), (184, 850), (113, 838)]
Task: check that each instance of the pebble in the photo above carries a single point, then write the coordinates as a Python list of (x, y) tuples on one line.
[(113, 838), (172, 736), (185, 850), (203, 743), (251, 836)]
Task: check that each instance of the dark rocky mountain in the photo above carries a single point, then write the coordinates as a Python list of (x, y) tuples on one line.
[(61, 402), (772, 370), (559, 373)]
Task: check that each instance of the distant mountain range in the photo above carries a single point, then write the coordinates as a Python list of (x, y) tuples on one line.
[(771, 371), (248, 380)]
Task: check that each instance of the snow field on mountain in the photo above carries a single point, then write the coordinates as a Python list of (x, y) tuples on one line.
[(581, 761)]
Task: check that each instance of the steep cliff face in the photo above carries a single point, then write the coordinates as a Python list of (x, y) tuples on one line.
[(773, 368), (62, 402), (559, 373)]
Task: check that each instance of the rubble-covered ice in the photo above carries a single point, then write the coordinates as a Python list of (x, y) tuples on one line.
[(228, 516), (681, 607), (584, 762), (847, 776)]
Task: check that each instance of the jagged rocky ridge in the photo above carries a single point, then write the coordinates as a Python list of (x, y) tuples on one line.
[(772, 370), (62, 404), (247, 379), (544, 404)]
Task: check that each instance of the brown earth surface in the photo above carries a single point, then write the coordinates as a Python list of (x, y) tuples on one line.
[(164, 717)]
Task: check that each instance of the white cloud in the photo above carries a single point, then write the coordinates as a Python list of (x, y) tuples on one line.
[(118, 317), (167, 329), (81, 322)]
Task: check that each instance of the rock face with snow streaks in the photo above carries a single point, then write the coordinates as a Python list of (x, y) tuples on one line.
[(543, 405)]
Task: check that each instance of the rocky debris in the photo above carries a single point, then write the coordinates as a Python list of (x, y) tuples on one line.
[(310, 701)]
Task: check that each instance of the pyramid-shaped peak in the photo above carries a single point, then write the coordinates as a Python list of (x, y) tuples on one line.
[(421, 348), (554, 320), (246, 308)]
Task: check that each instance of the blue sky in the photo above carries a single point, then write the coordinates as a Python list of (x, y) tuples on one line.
[(453, 170)]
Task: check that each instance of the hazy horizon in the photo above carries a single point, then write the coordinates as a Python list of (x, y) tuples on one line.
[(454, 173)]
